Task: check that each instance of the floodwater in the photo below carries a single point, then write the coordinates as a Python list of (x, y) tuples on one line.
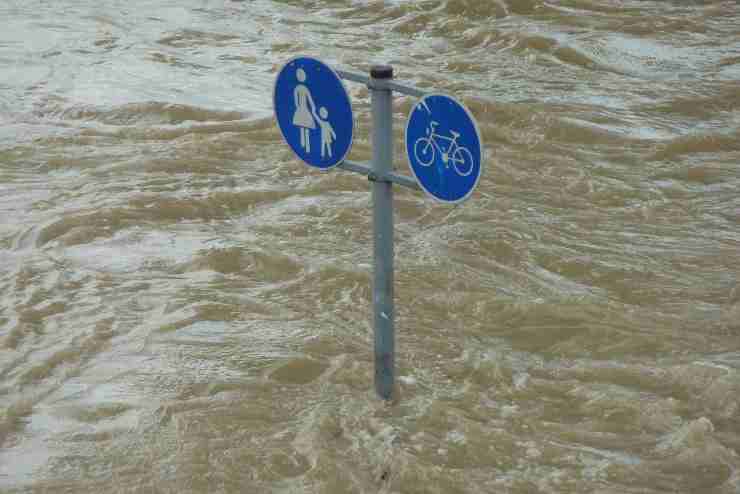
[(185, 307)]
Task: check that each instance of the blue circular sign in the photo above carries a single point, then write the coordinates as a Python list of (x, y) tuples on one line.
[(444, 148), (314, 112)]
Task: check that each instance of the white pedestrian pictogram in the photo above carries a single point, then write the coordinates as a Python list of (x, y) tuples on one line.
[(327, 132), (307, 119), (304, 117)]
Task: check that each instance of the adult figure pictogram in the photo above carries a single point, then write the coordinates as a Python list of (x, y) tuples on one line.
[(304, 118)]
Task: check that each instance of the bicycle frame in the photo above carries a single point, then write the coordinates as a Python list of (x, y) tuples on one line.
[(433, 136)]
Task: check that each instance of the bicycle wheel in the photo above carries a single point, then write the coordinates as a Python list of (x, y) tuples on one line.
[(462, 161), (424, 151)]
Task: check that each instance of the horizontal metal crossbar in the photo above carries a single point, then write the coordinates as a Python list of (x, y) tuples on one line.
[(382, 84), (353, 166), (367, 170)]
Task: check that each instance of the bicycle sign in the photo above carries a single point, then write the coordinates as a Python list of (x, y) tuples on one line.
[(444, 148)]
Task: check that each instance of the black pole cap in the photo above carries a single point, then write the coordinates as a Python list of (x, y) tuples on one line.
[(381, 72)]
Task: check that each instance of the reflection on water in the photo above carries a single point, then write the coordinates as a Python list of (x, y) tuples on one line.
[(184, 307)]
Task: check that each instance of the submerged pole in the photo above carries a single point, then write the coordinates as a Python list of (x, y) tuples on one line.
[(382, 164)]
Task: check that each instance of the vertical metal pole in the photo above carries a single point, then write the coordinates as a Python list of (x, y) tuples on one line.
[(382, 162)]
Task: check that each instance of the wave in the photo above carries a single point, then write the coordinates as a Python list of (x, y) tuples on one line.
[(699, 143), (84, 226), (190, 37), (234, 260), (700, 106), (150, 112)]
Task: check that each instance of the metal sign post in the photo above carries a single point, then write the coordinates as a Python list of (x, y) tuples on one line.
[(382, 140), (314, 114)]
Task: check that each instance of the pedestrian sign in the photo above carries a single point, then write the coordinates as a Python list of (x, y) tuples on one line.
[(314, 112), (444, 148)]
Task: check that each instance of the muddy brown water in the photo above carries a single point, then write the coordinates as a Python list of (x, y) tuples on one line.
[(185, 308)]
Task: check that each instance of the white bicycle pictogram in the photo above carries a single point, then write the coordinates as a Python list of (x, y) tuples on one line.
[(426, 148)]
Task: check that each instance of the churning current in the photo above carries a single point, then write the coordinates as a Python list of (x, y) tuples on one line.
[(185, 307)]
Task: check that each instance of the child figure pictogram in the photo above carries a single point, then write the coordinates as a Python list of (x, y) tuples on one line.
[(327, 132)]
